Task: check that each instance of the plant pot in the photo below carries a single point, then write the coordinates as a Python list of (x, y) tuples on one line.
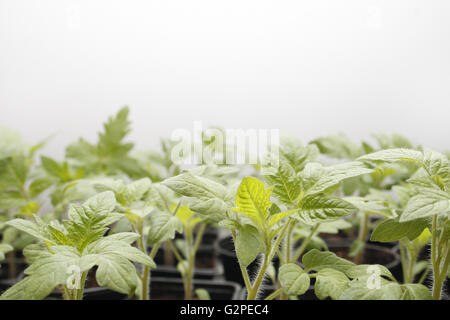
[(6, 280), (338, 237), (207, 266), (373, 254), (172, 289), (209, 238), (232, 270), (92, 291)]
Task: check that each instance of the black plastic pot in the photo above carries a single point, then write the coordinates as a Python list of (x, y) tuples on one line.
[(232, 270), (5, 280), (207, 265), (172, 289), (373, 254), (209, 238), (92, 291)]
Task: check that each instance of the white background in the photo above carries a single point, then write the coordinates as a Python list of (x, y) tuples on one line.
[(309, 68)]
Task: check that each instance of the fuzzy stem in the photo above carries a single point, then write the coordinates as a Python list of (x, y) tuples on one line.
[(244, 272), (424, 275), (267, 259), (434, 250), (274, 294)]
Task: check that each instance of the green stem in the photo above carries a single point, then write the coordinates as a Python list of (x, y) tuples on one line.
[(155, 250), (411, 263), (288, 247), (363, 231), (199, 237), (145, 276), (174, 250), (12, 266), (424, 275), (305, 244), (66, 293), (191, 253), (267, 259), (274, 294), (191, 261), (244, 272), (80, 291), (439, 278), (252, 294), (404, 262), (434, 250)]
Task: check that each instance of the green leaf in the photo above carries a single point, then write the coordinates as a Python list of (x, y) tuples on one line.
[(323, 208), (162, 227), (136, 190), (318, 260), (110, 245), (11, 199), (100, 204), (84, 154), (51, 166), (253, 200), (293, 157), (392, 230), (415, 291), (338, 146), (189, 185), (364, 289), (229, 224), (428, 203), (435, 163), (206, 197), (161, 197), (275, 218), (202, 294), (364, 270), (330, 283), (394, 140), (46, 273), (39, 185), (89, 222), (293, 279), (32, 229), (334, 227), (31, 288), (392, 155), (318, 179), (4, 248), (115, 130), (13, 172), (292, 150), (286, 184), (116, 273), (248, 245)]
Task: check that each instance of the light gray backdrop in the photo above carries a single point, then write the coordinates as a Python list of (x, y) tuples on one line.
[(309, 68)]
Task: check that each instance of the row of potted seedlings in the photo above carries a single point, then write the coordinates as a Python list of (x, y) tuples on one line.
[(332, 219)]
